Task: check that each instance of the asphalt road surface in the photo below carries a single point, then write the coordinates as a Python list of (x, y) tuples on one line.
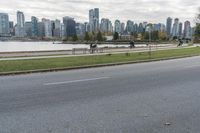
[(156, 97)]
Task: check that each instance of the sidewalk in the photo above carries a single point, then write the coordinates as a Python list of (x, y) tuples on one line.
[(113, 51), (71, 52)]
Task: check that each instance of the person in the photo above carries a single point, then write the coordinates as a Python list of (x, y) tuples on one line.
[(132, 44), (93, 47), (180, 42)]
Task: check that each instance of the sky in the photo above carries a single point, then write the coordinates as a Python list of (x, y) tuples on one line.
[(153, 11)]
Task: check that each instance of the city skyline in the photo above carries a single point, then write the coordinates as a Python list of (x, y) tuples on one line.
[(153, 11), (69, 27)]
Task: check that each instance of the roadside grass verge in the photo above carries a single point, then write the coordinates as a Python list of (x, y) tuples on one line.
[(70, 62)]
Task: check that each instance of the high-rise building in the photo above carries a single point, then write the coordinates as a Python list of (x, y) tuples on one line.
[(117, 26), (47, 27), (110, 26), (141, 29), (105, 25), (135, 28), (187, 30), (57, 28), (69, 26), (180, 30), (20, 19), (80, 29), (34, 22), (129, 26), (145, 24), (162, 27), (175, 29), (62, 30), (169, 26), (158, 27), (155, 27), (28, 29), (52, 27), (20, 32), (94, 19), (11, 27), (122, 28), (41, 29), (4, 24), (87, 27)]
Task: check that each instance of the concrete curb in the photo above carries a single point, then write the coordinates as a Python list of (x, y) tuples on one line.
[(90, 66)]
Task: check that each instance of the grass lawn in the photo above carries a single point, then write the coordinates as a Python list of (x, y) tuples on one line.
[(68, 62)]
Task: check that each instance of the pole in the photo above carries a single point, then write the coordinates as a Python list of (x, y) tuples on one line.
[(149, 43)]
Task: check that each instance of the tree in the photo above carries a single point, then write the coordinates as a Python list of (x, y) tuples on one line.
[(87, 37), (135, 35), (66, 39), (197, 31), (99, 36), (145, 36), (116, 36), (197, 28), (74, 38), (155, 35), (162, 36), (197, 19)]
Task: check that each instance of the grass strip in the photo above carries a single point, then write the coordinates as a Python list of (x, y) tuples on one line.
[(70, 62)]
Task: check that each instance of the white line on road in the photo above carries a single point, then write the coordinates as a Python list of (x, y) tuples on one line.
[(75, 81), (192, 66)]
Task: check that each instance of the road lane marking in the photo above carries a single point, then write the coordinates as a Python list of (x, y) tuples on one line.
[(75, 81), (192, 66)]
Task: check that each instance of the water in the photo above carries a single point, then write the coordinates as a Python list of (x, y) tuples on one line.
[(44, 46)]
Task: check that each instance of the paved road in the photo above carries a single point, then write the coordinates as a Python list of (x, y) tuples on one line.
[(157, 97)]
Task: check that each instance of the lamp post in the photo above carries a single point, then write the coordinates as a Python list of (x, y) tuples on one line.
[(149, 42)]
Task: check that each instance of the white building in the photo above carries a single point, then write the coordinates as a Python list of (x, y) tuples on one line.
[(47, 27), (20, 30), (175, 29)]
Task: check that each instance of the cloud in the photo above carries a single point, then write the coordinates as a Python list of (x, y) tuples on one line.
[(137, 10)]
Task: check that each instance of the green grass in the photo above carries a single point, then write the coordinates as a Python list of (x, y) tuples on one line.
[(68, 62)]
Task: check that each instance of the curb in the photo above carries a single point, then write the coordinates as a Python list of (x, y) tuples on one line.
[(91, 66)]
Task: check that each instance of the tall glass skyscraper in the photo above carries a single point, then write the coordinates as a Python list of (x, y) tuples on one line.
[(129, 26), (69, 26), (20, 31), (175, 29), (187, 30), (105, 25), (34, 22), (180, 30), (4, 24), (118, 26), (94, 19), (169, 26)]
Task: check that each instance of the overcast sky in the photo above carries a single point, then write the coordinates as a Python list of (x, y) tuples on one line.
[(137, 10)]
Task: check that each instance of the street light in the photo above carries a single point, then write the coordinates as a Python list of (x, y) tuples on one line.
[(149, 29)]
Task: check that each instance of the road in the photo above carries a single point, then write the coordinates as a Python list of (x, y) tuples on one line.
[(156, 97)]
